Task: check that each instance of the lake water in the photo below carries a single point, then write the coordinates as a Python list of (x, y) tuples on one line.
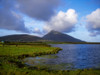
[(73, 56)]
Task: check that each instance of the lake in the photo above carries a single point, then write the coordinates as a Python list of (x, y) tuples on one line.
[(72, 56)]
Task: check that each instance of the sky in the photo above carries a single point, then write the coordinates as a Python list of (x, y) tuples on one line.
[(77, 18)]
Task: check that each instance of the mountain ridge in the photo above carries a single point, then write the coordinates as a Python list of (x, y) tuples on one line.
[(54, 36), (20, 37)]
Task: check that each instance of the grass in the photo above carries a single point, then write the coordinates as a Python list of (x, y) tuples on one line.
[(11, 64), (12, 69), (26, 50)]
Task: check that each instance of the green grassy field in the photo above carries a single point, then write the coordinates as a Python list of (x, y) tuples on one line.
[(11, 64), (26, 50)]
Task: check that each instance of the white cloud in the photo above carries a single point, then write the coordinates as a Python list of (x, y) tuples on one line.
[(37, 9), (93, 22), (36, 30), (63, 21)]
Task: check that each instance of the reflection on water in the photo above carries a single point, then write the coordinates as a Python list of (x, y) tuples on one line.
[(73, 56)]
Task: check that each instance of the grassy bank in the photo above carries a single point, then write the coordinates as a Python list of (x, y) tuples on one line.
[(8, 68), (26, 50), (11, 64)]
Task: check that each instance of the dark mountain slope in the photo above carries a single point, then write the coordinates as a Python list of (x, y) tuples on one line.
[(20, 37), (60, 37), (51, 36)]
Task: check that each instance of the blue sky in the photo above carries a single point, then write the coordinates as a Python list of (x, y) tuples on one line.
[(75, 17)]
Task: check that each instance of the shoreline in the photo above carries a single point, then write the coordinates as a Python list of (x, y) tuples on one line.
[(13, 65)]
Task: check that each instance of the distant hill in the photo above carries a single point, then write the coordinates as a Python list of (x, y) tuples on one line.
[(54, 36), (60, 37), (20, 37)]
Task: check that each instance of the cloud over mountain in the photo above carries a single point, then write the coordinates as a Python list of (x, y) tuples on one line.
[(93, 22), (9, 19), (63, 21), (38, 9)]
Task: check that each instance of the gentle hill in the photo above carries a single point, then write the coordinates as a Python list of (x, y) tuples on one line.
[(53, 36), (20, 37), (60, 37)]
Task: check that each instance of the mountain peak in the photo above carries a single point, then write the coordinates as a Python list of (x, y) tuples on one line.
[(53, 35), (54, 32), (60, 37)]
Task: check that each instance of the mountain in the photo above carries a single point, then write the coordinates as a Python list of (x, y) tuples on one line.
[(60, 37), (54, 36), (20, 37)]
